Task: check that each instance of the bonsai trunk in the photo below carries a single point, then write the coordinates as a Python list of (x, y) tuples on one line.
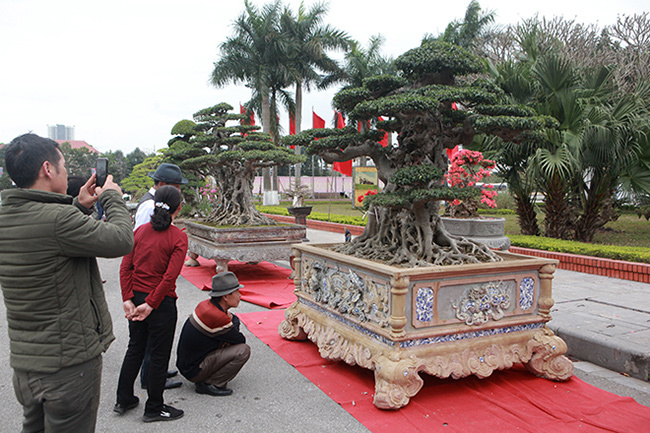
[(236, 205)]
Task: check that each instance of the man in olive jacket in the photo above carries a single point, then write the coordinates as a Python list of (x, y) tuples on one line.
[(58, 319)]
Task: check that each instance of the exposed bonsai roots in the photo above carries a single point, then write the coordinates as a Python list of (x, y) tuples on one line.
[(397, 239)]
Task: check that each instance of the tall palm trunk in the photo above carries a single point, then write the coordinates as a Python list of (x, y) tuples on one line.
[(266, 128), (297, 120)]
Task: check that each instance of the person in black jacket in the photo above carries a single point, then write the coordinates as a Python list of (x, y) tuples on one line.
[(211, 349)]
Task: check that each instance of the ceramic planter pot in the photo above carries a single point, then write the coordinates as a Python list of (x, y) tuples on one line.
[(489, 231), (443, 320)]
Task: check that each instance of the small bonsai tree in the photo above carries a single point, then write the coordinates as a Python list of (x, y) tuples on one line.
[(231, 154), (297, 193), (405, 227)]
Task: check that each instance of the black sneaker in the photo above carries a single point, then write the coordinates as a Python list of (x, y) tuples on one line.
[(168, 413), (122, 408)]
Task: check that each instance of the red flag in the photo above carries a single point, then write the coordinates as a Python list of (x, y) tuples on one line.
[(317, 122), (250, 121), (383, 141), (292, 124), (342, 167), (340, 122), (452, 152)]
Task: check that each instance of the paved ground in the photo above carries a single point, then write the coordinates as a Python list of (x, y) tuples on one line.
[(271, 396)]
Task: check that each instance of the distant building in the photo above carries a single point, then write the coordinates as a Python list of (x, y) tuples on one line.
[(60, 132), (79, 144)]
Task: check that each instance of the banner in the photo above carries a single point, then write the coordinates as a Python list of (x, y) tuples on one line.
[(251, 120), (366, 182), (342, 167), (383, 141), (317, 121)]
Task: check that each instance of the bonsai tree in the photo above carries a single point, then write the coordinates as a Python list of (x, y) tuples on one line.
[(404, 226), (230, 154), (297, 193)]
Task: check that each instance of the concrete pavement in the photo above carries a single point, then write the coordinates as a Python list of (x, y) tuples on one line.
[(271, 396)]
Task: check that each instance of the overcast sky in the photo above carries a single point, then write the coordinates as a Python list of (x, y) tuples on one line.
[(125, 71)]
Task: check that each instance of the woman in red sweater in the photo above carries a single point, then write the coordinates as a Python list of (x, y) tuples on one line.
[(148, 281)]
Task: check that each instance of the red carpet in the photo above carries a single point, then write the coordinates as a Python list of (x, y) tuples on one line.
[(508, 401), (265, 284)]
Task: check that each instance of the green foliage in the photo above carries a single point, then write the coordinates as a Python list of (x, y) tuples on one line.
[(632, 254), (5, 180), (393, 106), (438, 58), (117, 165), (417, 176), (384, 83), (138, 182), (184, 127), (78, 161)]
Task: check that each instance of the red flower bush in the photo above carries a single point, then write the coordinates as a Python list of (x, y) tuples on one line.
[(467, 168)]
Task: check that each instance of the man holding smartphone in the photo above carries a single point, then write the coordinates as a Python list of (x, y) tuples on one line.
[(58, 320)]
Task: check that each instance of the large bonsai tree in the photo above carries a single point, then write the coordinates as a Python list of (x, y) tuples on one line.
[(404, 227), (230, 154)]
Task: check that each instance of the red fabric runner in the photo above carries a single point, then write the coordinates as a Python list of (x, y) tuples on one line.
[(265, 284), (508, 401)]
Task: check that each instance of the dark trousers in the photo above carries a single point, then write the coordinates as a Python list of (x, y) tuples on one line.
[(157, 330), (65, 401)]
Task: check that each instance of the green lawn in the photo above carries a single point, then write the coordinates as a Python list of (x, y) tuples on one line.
[(628, 230)]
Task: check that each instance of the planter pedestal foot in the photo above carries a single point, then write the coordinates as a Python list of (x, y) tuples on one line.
[(395, 382), (192, 262), (548, 360)]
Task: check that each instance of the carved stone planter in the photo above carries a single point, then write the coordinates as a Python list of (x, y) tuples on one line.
[(489, 231), (244, 244), (444, 321)]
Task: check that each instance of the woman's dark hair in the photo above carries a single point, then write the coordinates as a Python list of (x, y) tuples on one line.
[(25, 155), (166, 201)]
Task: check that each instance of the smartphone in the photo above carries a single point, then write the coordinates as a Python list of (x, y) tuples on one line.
[(102, 171)]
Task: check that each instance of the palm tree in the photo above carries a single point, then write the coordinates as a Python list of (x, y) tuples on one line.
[(254, 56), (359, 64), (577, 166), (467, 33), (309, 42)]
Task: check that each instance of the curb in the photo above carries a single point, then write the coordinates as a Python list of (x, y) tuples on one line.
[(631, 271), (613, 353)]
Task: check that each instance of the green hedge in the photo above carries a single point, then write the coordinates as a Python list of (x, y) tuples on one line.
[(630, 254)]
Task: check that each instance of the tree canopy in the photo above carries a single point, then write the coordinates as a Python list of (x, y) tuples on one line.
[(405, 228), (211, 146)]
